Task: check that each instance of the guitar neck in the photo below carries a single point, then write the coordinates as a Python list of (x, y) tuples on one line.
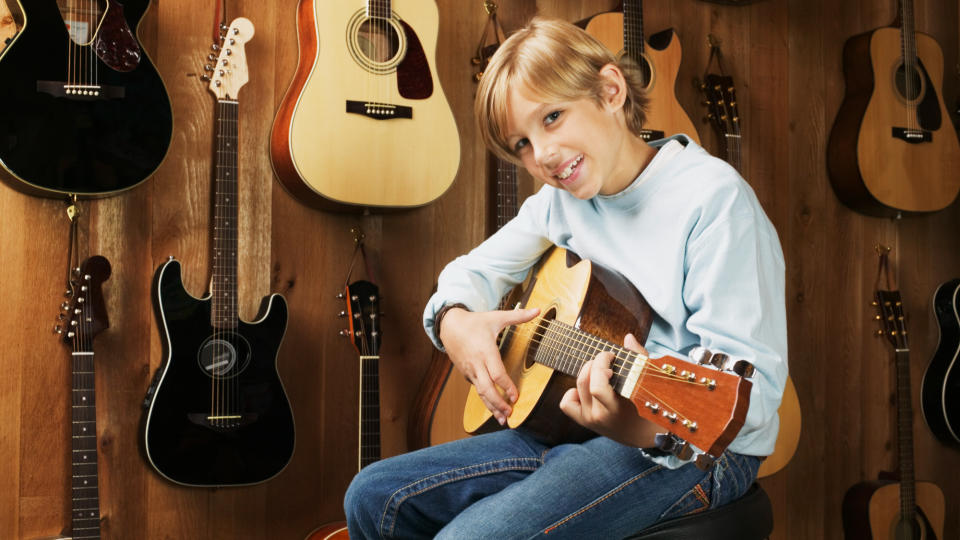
[(908, 505), (85, 516), (733, 149), (224, 308), (633, 41), (379, 9), (504, 193), (908, 36), (369, 410)]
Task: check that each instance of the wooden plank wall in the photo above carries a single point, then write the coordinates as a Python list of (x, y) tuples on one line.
[(785, 59)]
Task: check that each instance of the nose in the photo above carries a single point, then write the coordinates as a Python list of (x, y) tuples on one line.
[(545, 153)]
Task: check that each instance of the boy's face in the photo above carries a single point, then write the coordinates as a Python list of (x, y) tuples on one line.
[(577, 145)]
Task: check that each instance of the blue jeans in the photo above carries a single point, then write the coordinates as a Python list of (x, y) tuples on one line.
[(506, 484)]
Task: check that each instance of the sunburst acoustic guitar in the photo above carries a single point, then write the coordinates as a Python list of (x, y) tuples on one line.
[(659, 60), (365, 123)]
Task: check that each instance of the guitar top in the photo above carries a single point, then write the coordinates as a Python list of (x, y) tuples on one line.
[(86, 113), (347, 145), (892, 148), (940, 391)]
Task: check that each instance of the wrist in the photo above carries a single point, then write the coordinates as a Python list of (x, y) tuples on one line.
[(441, 313)]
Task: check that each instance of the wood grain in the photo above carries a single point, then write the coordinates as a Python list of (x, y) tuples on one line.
[(786, 60)]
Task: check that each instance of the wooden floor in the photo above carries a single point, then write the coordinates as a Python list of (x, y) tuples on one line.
[(785, 57)]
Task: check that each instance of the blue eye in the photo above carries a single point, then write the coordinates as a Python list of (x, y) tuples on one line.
[(552, 117), (520, 145)]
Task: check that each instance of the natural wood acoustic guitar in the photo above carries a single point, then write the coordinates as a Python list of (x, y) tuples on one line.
[(363, 316), (587, 309), (893, 148), (365, 123), (659, 60), (886, 509)]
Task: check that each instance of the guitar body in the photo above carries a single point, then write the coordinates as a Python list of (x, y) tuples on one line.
[(437, 415), (180, 442), (788, 438), (595, 299), (940, 390), (871, 511), (663, 54), (330, 531), (53, 144), (330, 150), (873, 171)]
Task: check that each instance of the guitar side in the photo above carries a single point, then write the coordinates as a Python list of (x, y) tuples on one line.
[(872, 171), (333, 159), (941, 380), (664, 112), (871, 511), (179, 441), (52, 144)]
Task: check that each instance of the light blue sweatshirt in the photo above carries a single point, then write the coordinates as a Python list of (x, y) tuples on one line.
[(691, 236)]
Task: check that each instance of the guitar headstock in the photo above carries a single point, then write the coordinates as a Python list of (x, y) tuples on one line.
[(892, 320), (86, 313), (702, 401), (229, 73), (721, 101), (363, 316)]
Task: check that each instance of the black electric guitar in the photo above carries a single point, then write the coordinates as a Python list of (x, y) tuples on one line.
[(85, 112), (940, 392), (87, 317), (217, 413)]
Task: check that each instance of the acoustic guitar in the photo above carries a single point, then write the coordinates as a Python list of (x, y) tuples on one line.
[(87, 317), (85, 111), (587, 309), (940, 391), (217, 413), (365, 123), (892, 148), (363, 315), (884, 509), (659, 60)]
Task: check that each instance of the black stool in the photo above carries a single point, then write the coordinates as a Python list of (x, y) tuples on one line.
[(748, 518)]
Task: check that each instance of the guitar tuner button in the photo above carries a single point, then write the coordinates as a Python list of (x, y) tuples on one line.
[(211, 57), (215, 47), (229, 52), (342, 314)]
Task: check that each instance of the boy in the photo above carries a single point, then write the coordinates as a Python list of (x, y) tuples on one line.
[(680, 225)]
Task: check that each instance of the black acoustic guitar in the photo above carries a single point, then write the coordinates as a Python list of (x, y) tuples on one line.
[(940, 392), (85, 111), (217, 413)]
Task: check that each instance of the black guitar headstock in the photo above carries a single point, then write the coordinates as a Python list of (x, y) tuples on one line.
[(892, 320), (721, 101), (363, 316), (85, 313)]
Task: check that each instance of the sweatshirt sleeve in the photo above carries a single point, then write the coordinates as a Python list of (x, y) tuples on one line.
[(483, 276)]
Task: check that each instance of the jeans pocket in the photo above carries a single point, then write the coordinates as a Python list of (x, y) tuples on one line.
[(697, 499)]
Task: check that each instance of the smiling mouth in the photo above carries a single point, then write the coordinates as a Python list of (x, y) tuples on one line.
[(564, 174)]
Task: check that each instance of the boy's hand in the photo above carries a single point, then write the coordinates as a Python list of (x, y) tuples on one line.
[(471, 343), (594, 404)]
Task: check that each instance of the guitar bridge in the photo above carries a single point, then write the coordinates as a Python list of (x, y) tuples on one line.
[(80, 92), (379, 111), (222, 422)]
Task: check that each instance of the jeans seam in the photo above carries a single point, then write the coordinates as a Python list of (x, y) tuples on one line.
[(606, 496), (396, 505)]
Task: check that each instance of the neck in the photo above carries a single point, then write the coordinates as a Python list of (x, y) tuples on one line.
[(85, 516), (638, 154)]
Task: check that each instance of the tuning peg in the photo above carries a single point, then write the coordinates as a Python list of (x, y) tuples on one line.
[(205, 78), (341, 296), (223, 27), (743, 368), (211, 57), (228, 52), (64, 306), (215, 47), (68, 293), (719, 360), (700, 355), (705, 461), (670, 443), (342, 314), (57, 329), (344, 333)]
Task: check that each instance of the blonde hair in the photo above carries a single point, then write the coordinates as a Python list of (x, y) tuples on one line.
[(558, 61)]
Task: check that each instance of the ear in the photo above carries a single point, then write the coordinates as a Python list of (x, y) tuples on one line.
[(614, 87)]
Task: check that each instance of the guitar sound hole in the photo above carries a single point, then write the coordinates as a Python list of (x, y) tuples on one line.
[(377, 44), (224, 356), (643, 65), (378, 40), (536, 342), (915, 80)]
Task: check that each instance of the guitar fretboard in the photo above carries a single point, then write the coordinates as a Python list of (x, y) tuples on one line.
[(85, 516), (379, 9), (633, 29), (566, 349), (224, 289)]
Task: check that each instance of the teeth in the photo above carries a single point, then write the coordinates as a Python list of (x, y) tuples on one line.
[(569, 170)]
